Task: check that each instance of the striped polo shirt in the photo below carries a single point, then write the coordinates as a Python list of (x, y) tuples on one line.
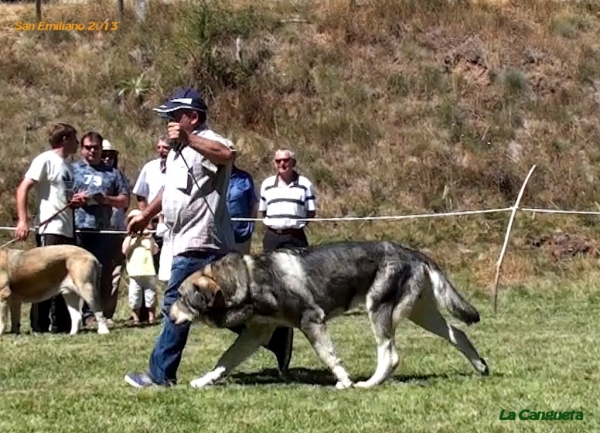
[(284, 204)]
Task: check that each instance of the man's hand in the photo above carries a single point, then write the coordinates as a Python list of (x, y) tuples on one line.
[(138, 224), (22, 231), (96, 199), (178, 137), (79, 199)]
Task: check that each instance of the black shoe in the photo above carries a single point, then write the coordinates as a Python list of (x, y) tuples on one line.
[(36, 328), (281, 345), (59, 329)]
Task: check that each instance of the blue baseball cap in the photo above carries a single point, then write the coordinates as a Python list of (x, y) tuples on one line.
[(182, 99)]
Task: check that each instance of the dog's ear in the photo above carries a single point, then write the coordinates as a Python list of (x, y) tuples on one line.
[(206, 283)]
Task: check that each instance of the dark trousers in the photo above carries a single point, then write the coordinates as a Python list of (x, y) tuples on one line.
[(51, 314), (103, 247), (287, 239), (273, 241)]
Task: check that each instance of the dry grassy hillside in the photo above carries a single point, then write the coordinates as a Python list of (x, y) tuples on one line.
[(394, 107)]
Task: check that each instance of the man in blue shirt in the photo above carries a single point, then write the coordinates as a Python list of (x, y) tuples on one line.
[(105, 189), (242, 202)]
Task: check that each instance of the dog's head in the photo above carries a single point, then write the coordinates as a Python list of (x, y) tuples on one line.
[(199, 296)]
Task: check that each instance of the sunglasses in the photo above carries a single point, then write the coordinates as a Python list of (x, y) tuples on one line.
[(279, 161), (86, 147)]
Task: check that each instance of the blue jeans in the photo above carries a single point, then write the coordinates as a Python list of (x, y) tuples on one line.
[(168, 348)]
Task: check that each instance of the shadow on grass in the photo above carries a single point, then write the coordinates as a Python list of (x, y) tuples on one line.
[(93, 328), (323, 377)]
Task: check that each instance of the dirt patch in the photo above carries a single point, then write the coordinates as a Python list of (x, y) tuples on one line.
[(563, 246), (468, 60)]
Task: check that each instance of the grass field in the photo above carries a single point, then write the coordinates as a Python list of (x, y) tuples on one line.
[(541, 348), (394, 107)]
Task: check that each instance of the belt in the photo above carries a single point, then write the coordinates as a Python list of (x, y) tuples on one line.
[(286, 231)]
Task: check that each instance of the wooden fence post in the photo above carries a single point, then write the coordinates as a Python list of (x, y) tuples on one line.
[(38, 10), (121, 8)]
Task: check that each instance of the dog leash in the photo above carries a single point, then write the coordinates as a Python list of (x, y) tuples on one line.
[(42, 224), (47, 220), (4, 245)]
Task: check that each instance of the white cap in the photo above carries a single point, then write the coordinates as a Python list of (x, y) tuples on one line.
[(107, 146)]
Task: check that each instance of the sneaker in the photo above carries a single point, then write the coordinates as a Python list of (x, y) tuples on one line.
[(281, 345), (139, 380)]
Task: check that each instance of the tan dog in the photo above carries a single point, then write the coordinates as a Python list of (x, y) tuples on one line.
[(40, 273)]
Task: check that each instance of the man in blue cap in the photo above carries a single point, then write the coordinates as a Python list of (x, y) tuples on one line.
[(194, 204)]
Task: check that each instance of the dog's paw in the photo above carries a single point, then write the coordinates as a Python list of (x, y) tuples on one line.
[(482, 367), (363, 384), (201, 382), (344, 385)]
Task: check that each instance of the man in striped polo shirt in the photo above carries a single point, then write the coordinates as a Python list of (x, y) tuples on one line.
[(286, 201)]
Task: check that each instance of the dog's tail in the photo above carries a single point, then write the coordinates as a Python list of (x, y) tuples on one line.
[(446, 294)]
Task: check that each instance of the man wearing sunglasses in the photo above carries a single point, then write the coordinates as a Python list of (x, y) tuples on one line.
[(287, 200), (105, 189)]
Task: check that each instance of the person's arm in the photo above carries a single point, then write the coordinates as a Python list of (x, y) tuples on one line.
[(139, 223), (253, 199), (154, 208), (21, 197), (121, 200), (310, 202), (262, 201), (142, 202), (141, 189), (154, 247), (217, 152), (36, 173), (118, 201), (126, 245)]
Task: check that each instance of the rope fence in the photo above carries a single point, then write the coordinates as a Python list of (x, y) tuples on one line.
[(513, 210), (374, 218)]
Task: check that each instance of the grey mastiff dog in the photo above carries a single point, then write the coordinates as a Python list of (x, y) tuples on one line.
[(305, 288)]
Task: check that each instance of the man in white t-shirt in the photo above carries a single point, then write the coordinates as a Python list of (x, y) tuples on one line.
[(151, 178), (52, 178)]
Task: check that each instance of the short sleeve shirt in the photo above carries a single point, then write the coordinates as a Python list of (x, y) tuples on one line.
[(285, 205), (97, 179), (194, 200), (54, 188), (150, 181)]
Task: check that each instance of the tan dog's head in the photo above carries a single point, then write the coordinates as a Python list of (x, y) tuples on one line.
[(199, 296)]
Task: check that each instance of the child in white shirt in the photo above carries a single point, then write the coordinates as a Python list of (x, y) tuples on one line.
[(139, 252)]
